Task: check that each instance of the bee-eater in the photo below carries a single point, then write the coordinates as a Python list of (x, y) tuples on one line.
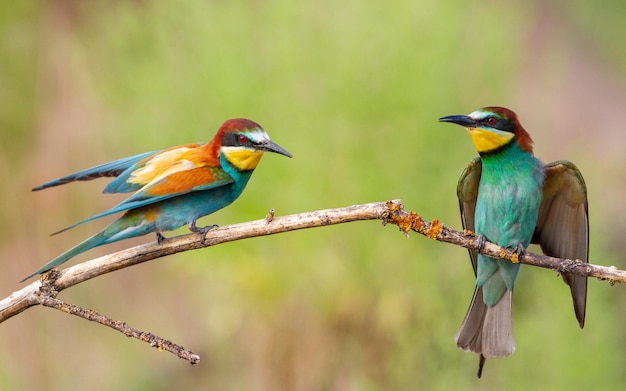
[(507, 196), (175, 186)]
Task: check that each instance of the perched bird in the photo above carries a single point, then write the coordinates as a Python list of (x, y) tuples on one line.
[(507, 196), (173, 187)]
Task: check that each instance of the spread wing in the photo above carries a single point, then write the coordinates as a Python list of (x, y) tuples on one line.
[(563, 225), (111, 169), (164, 175), (158, 165), (467, 192)]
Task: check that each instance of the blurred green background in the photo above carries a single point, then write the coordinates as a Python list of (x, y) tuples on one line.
[(354, 91)]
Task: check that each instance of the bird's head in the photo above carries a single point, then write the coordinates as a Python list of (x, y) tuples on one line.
[(492, 128), (242, 142)]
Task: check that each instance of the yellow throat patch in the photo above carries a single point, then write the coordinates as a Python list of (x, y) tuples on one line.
[(244, 159), (488, 140)]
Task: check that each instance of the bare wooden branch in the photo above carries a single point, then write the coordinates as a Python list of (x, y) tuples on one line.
[(44, 290), (27, 297), (122, 327)]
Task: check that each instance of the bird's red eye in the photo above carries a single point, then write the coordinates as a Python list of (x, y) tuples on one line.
[(242, 138), (491, 121)]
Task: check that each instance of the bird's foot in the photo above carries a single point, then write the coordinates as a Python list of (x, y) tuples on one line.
[(480, 242), (201, 230), (160, 238), (518, 251)]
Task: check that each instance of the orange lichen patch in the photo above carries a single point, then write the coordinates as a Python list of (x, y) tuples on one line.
[(405, 225), (412, 221), (393, 206), (515, 258), (405, 222), (435, 229), (417, 221), (502, 254), (467, 232)]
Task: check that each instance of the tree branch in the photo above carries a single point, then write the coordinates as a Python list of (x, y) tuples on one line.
[(122, 327), (44, 290), (410, 221)]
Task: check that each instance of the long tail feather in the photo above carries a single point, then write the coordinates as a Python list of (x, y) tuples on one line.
[(94, 241), (481, 365), (79, 223), (487, 331)]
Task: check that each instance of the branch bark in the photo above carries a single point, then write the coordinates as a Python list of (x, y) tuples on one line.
[(44, 290), (410, 221)]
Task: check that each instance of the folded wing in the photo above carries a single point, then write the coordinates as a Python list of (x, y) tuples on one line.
[(467, 192)]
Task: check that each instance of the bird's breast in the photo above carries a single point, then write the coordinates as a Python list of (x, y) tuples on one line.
[(507, 206)]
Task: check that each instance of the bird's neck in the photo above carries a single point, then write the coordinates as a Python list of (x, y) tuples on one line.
[(509, 149), (510, 159), (233, 169)]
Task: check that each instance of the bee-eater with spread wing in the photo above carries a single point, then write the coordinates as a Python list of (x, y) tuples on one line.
[(507, 196), (175, 186)]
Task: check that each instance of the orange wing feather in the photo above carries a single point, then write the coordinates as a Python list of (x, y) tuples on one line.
[(182, 181), (167, 163)]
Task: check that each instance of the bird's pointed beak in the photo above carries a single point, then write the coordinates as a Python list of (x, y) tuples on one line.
[(462, 120), (271, 146)]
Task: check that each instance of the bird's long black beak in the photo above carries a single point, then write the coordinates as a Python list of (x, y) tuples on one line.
[(462, 120), (271, 146)]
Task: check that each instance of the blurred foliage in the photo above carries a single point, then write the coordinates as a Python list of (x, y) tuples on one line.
[(353, 90)]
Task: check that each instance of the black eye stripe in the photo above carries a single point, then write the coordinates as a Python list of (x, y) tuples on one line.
[(503, 124), (235, 140)]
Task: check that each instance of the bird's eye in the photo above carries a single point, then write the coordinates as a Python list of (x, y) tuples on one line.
[(242, 139), (491, 121)]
